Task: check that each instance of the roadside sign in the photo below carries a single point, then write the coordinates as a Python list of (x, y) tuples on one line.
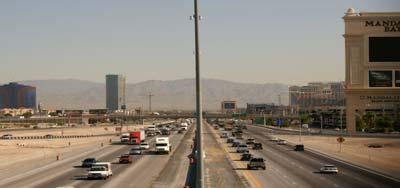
[(279, 122), (340, 139)]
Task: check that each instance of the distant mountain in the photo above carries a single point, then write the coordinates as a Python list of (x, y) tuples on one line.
[(173, 94)]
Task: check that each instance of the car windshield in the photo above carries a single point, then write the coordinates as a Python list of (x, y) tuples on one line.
[(161, 144), (98, 168)]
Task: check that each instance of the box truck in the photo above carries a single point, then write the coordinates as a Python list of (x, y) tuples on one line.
[(137, 137)]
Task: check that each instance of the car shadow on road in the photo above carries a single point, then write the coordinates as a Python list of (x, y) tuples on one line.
[(80, 177), (240, 169), (118, 143), (150, 152), (79, 166)]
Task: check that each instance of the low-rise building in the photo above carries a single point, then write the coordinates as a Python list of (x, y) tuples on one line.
[(228, 107)]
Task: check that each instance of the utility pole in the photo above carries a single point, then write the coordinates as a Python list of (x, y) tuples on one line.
[(321, 121), (265, 123), (199, 118), (279, 99), (300, 133), (341, 121)]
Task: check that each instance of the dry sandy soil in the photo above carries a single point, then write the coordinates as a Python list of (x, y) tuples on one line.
[(356, 150), (17, 151)]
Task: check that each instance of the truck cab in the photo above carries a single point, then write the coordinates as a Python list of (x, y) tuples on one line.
[(137, 137), (163, 145), (124, 137)]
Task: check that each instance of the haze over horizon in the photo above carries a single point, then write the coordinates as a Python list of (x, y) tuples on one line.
[(288, 42)]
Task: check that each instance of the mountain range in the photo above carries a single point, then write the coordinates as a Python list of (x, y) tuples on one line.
[(168, 95)]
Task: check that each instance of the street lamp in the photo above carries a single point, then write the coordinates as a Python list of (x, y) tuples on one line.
[(199, 139)]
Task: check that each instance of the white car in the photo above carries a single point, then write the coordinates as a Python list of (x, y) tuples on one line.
[(144, 145), (329, 169), (282, 142), (101, 170), (135, 150)]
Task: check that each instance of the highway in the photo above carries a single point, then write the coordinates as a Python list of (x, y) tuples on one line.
[(143, 172), (288, 168)]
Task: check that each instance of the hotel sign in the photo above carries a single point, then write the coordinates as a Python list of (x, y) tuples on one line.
[(388, 25), (381, 98)]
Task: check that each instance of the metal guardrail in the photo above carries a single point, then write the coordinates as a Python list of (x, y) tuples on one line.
[(54, 137), (316, 132)]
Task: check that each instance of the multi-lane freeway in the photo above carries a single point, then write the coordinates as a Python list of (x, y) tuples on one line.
[(144, 171), (284, 166), (288, 168)]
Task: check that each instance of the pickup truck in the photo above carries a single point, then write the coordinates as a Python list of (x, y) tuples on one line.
[(100, 170), (256, 163)]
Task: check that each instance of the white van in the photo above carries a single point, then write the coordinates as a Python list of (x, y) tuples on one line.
[(100, 170), (163, 145)]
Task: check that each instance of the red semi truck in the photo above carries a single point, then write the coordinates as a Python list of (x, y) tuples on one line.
[(136, 137)]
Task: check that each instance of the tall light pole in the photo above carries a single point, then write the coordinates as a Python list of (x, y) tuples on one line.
[(199, 139)]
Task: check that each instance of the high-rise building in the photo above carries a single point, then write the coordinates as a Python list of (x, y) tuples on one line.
[(115, 92), (372, 57), (14, 95)]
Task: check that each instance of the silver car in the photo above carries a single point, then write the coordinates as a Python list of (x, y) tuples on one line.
[(242, 148), (135, 150)]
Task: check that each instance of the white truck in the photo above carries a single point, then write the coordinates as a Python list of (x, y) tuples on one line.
[(163, 145), (100, 170), (124, 137), (151, 128), (184, 126)]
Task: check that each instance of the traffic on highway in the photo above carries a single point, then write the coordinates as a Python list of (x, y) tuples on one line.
[(143, 152), (267, 161)]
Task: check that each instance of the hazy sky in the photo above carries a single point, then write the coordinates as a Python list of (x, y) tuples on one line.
[(258, 41)]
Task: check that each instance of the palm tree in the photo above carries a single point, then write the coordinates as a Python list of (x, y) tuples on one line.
[(369, 120)]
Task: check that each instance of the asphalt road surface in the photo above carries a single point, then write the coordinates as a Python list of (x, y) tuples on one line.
[(289, 168), (142, 172)]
